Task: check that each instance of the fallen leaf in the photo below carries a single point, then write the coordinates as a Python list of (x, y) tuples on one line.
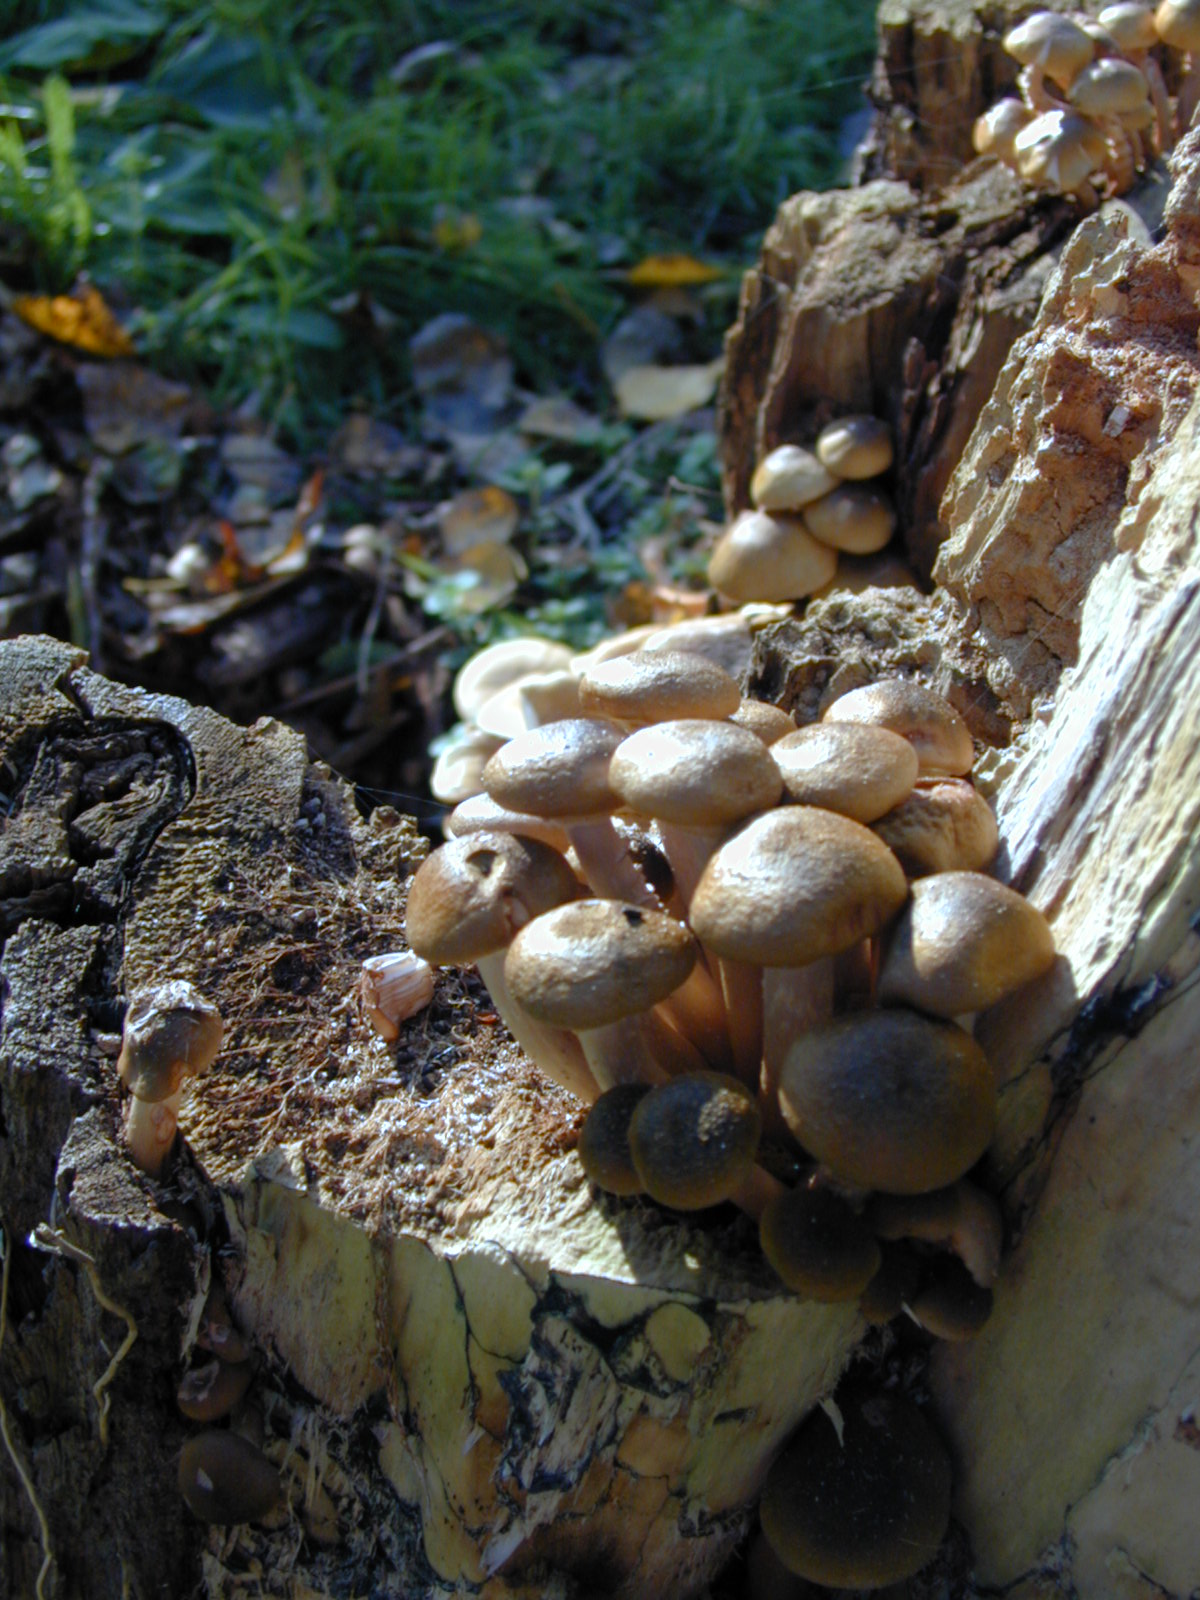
[(125, 405), (642, 338), (457, 230), (463, 373), (654, 394), (557, 417), (477, 516), (81, 319), (671, 272)]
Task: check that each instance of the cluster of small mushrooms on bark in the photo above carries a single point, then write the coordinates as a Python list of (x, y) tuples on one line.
[(756, 949), (1093, 104), (809, 506)]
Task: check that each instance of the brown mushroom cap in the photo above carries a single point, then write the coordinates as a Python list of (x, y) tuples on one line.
[(769, 556), (856, 447), (560, 770), (889, 1100), (694, 1139), (864, 1509), (211, 1391), (853, 518), (767, 722), (944, 825), (963, 942), (892, 1286), (658, 686), (591, 962), (993, 132), (788, 478), (171, 1032), (471, 895), (857, 769), (1130, 24), (695, 773), (817, 1245), (224, 1478), (1107, 87), (603, 1147), (951, 1305), (1177, 23), (930, 724), (793, 885)]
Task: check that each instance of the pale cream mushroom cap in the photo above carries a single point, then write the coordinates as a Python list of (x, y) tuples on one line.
[(1050, 41), (560, 770), (1177, 23), (964, 942), (695, 773), (1061, 148), (993, 132), (479, 813), (726, 640), (592, 962), (493, 669), (763, 556), (171, 1033), (659, 686), (1108, 87), (1130, 24), (857, 769), (854, 518), (767, 722), (856, 447), (788, 478), (944, 825), (458, 768), (530, 702), (794, 885), (936, 731)]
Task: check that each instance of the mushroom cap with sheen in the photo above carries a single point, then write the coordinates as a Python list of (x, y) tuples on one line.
[(1177, 23), (603, 1147), (1056, 44), (993, 132), (695, 773), (863, 1509), (931, 725), (594, 961), (224, 1478), (889, 1100), (769, 556), (963, 943), (658, 686), (474, 893), (769, 723), (1109, 86), (817, 1245), (1059, 148), (694, 1139), (853, 518), (171, 1032), (212, 1390), (480, 813), (788, 478), (560, 770), (856, 447), (793, 885), (944, 825), (857, 769), (493, 669), (1130, 24)]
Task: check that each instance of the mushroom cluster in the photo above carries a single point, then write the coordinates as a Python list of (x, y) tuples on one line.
[(1093, 105), (756, 950), (809, 507)]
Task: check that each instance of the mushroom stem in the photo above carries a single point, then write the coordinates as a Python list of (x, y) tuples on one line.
[(151, 1129), (607, 864), (962, 1218), (756, 1192), (697, 1009), (1159, 98), (1189, 94), (794, 999), (555, 1050), (741, 986), (643, 1048)]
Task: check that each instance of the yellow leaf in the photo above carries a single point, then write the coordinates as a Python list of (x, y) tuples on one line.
[(652, 394), (672, 272), (80, 319), (457, 230), (477, 516)]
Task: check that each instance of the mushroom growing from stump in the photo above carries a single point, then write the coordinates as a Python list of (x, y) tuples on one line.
[(694, 1142), (171, 1033)]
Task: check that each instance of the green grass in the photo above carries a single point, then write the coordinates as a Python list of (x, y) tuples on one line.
[(238, 172)]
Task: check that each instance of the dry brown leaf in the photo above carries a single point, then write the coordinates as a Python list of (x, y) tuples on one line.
[(653, 394), (477, 516)]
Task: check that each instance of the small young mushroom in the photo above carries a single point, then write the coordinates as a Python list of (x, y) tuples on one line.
[(861, 1505), (856, 447), (769, 556), (1177, 23), (789, 477), (951, 1305), (961, 1218), (993, 132), (658, 686), (1062, 149), (493, 669), (889, 1100), (818, 1246), (467, 900), (599, 967), (694, 1141), (963, 943), (860, 770), (1048, 46), (853, 518), (225, 1479), (212, 1390), (944, 825), (171, 1033), (769, 723), (603, 1147)]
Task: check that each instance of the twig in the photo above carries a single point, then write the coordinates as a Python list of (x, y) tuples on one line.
[(26, 1481), (47, 1238)]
